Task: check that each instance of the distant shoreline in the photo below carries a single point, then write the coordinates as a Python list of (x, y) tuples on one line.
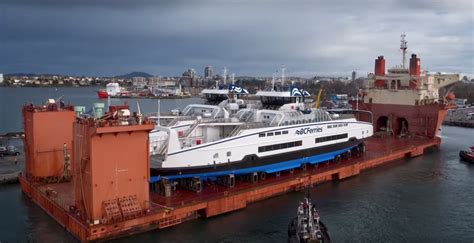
[(48, 86)]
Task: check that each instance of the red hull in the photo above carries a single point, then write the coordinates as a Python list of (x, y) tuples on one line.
[(422, 120), (102, 94)]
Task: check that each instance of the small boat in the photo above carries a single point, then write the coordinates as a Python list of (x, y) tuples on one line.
[(467, 155), (102, 94), (307, 226)]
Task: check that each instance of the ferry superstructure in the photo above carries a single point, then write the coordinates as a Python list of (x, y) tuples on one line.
[(254, 140)]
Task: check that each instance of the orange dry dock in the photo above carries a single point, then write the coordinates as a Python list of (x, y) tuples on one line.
[(109, 195), (112, 171), (48, 131)]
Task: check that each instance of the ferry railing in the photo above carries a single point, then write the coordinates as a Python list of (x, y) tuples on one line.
[(235, 131)]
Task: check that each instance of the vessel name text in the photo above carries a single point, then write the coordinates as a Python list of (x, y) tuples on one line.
[(308, 130)]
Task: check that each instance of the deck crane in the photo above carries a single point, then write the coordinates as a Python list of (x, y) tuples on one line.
[(318, 99)]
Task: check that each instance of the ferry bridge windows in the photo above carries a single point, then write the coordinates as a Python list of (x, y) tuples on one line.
[(279, 146), (331, 138), (269, 134)]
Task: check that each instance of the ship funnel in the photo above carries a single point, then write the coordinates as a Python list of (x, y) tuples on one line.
[(379, 70), (415, 71)]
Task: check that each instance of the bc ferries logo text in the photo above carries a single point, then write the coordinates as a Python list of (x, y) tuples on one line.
[(308, 130)]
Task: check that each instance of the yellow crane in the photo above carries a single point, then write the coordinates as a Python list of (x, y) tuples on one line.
[(318, 99)]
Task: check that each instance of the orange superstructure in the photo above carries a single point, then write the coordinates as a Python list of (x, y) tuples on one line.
[(48, 135), (111, 169), (405, 100)]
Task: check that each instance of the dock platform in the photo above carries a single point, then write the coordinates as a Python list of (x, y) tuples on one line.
[(57, 198)]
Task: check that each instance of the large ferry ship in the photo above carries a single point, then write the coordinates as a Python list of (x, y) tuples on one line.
[(255, 140), (405, 100)]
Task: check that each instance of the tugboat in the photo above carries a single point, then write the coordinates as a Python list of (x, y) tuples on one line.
[(307, 226), (467, 155)]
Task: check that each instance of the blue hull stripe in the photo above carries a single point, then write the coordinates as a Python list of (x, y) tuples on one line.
[(272, 168)]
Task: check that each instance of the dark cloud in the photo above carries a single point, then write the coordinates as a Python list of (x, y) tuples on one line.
[(97, 37)]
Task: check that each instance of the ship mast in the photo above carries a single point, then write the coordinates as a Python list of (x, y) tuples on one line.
[(283, 74), (403, 47), (225, 75)]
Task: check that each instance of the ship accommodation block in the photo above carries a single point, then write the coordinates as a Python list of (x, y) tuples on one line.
[(406, 101), (111, 171), (47, 131)]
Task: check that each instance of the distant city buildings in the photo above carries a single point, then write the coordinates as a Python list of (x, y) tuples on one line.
[(139, 82), (208, 72), (354, 75), (188, 77), (1, 78)]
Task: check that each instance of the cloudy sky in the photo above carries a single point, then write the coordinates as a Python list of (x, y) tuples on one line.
[(250, 37)]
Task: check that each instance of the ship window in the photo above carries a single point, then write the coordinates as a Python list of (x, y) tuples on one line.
[(279, 146), (277, 133), (260, 135), (269, 134), (330, 138), (285, 132), (329, 126), (216, 155), (229, 153)]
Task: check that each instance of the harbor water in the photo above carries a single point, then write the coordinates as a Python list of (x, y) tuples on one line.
[(428, 198)]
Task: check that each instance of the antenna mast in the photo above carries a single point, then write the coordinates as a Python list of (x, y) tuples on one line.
[(273, 81), (283, 74), (403, 47), (225, 75)]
